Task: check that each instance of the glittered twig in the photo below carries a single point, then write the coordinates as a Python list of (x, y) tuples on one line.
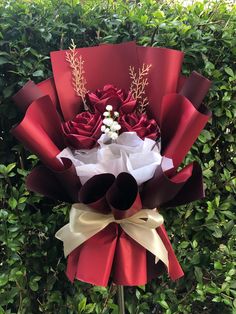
[(78, 79), (138, 84)]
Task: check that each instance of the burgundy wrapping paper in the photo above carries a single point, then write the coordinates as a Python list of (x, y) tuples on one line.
[(43, 181), (62, 184), (181, 188), (112, 68), (174, 101), (111, 252), (180, 120), (180, 126), (175, 270), (164, 74), (130, 262), (195, 88), (92, 261), (26, 95), (48, 88), (41, 132)]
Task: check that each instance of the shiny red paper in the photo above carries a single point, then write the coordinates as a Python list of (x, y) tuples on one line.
[(175, 102)]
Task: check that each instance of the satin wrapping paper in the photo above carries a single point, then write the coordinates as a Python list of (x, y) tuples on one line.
[(124, 260), (180, 134), (175, 102)]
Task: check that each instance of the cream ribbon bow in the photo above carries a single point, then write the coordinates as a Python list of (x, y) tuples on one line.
[(141, 227)]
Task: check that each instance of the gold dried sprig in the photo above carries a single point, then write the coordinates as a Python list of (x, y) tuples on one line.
[(77, 66), (138, 84)]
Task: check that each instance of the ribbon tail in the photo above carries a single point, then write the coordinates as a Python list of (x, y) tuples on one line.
[(149, 239), (72, 240)]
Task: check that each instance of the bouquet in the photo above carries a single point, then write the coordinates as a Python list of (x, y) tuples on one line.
[(111, 128)]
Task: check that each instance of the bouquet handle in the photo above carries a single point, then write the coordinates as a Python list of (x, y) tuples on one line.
[(121, 299)]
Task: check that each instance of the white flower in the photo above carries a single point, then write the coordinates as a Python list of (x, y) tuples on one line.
[(106, 114), (108, 121), (113, 135), (117, 127), (103, 128), (116, 114), (109, 108)]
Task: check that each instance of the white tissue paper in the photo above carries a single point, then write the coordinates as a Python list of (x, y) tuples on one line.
[(128, 153)]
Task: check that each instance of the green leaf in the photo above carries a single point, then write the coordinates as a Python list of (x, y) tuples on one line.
[(229, 71), (3, 60), (38, 73), (90, 308), (206, 149), (10, 167), (3, 279), (217, 265), (12, 202), (82, 305), (217, 233), (22, 200), (198, 274), (229, 226), (184, 245), (164, 304), (194, 244), (34, 285), (138, 294)]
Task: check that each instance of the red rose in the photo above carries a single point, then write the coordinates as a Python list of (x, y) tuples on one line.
[(84, 131), (119, 99), (139, 123)]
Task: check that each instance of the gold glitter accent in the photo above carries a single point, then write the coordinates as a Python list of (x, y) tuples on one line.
[(77, 66), (138, 84)]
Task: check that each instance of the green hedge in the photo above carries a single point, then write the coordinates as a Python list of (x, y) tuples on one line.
[(32, 265)]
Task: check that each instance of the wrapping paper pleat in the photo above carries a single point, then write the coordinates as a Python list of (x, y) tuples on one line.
[(48, 88), (63, 184), (181, 81), (111, 252), (175, 270), (92, 261), (195, 88), (123, 196), (31, 92), (40, 131), (162, 190), (163, 75), (193, 187), (181, 123), (26, 95), (43, 181), (154, 270), (99, 184), (130, 262), (67, 176)]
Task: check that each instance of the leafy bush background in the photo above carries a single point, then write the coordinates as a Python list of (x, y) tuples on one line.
[(32, 266)]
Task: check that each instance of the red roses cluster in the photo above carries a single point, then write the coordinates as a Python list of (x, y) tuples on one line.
[(85, 129)]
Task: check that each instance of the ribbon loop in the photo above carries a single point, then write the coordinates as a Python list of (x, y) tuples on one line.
[(84, 223)]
